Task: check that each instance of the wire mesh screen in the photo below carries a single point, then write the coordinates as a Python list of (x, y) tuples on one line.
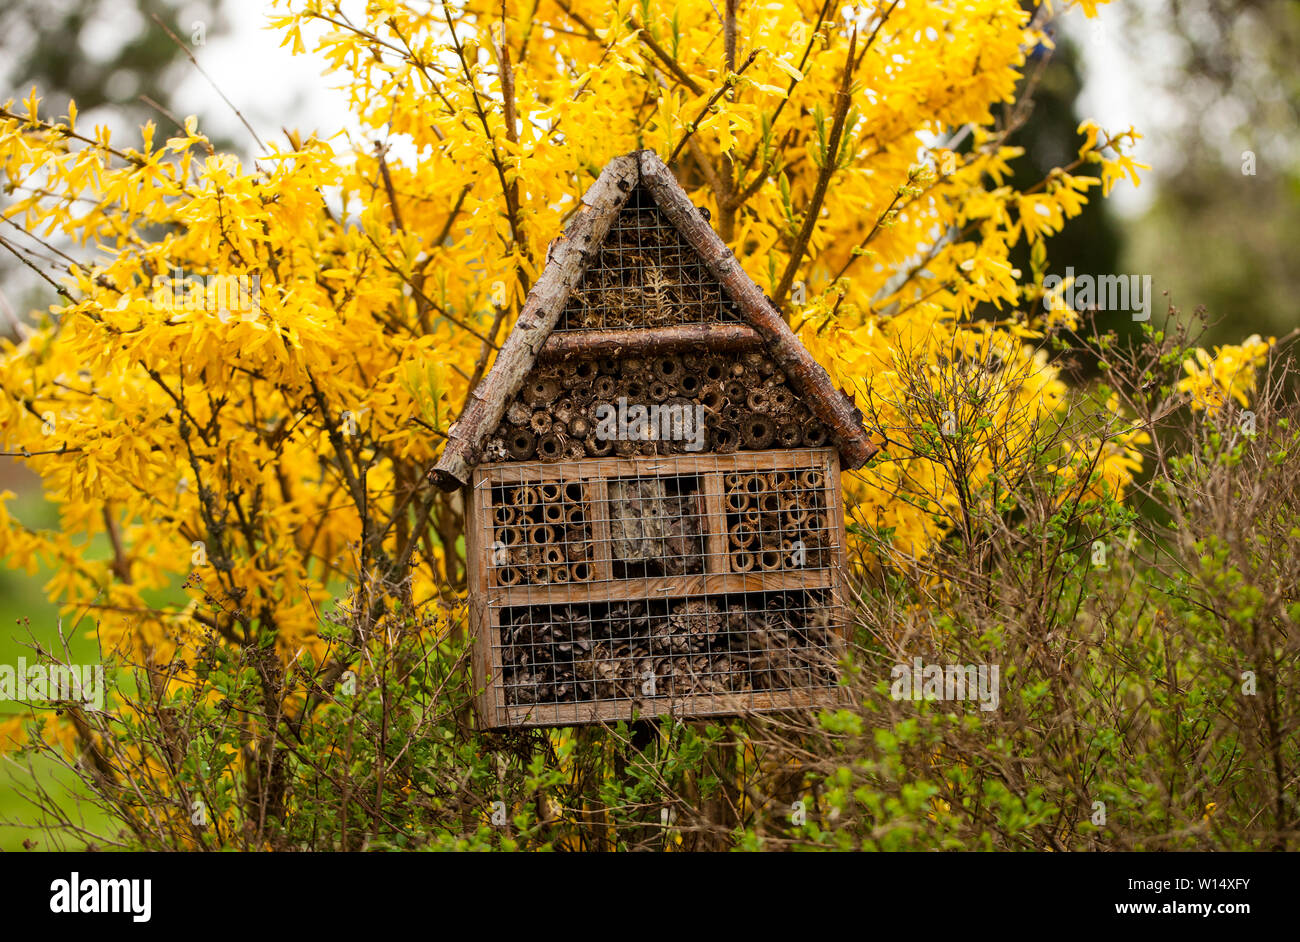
[(689, 585), (645, 275), (640, 651)]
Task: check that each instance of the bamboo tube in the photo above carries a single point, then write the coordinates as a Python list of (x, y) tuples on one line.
[(548, 493), (724, 438), (737, 501), (780, 399), (769, 560), (734, 481), (788, 434), (575, 516), (518, 413), (553, 513), (552, 556), (742, 562), (577, 550), (715, 370), (752, 517), (539, 575), (525, 495), (712, 399), (667, 368), (816, 524), (769, 524), (541, 391), (812, 479), (769, 503), (507, 576), (520, 444), (754, 483), (689, 384), (573, 492), (783, 480), (814, 435), (581, 572), (741, 535), (756, 400), (503, 514), (541, 534), (558, 574), (598, 447), (577, 373), (551, 447), (807, 500)]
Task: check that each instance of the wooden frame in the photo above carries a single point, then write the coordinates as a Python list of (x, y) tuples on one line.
[(486, 601)]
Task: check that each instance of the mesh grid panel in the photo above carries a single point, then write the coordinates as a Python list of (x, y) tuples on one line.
[(645, 275), (675, 584)]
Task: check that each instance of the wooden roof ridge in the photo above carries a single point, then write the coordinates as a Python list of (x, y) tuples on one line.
[(567, 261)]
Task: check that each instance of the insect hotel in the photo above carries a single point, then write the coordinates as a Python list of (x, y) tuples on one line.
[(652, 477)]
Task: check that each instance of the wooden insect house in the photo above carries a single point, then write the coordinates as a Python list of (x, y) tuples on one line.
[(652, 478)]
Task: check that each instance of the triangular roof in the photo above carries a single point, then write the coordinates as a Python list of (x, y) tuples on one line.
[(567, 260)]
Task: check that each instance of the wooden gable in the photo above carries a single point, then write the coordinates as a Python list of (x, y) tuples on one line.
[(639, 271)]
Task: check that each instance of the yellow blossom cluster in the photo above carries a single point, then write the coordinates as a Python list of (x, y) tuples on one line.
[(252, 363)]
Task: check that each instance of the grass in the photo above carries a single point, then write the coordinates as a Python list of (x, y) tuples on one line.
[(26, 615)]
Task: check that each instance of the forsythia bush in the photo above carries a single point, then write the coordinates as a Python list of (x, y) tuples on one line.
[(252, 365)]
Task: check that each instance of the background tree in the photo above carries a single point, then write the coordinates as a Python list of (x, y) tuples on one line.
[(1222, 230), (116, 60)]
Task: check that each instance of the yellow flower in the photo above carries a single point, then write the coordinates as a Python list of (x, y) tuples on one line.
[(1230, 372)]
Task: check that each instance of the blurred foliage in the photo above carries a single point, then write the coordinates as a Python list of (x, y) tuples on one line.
[(114, 60), (102, 52), (1218, 235)]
